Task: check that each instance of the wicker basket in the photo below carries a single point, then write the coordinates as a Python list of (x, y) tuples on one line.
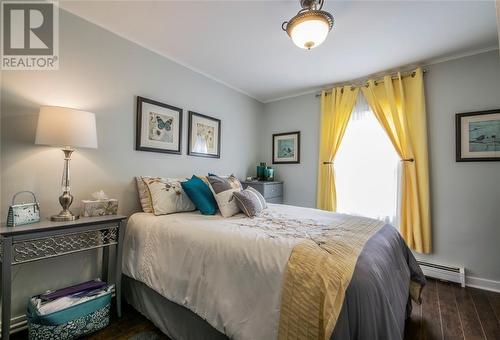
[(70, 323)]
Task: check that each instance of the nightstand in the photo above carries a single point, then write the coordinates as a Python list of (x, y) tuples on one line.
[(46, 239), (272, 191)]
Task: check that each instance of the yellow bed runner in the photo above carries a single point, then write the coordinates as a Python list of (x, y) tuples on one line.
[(317, 275)]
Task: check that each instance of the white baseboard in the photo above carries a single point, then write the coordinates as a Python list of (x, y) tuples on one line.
[(17, 323), (477, 282)]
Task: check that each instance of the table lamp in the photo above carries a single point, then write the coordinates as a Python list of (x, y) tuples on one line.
[(66, 128)]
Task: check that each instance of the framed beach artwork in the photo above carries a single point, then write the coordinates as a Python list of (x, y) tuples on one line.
[(159, 127), (203, 135), (478, 136), (286, 148)]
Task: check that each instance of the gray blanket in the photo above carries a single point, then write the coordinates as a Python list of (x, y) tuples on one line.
[(377, 302)]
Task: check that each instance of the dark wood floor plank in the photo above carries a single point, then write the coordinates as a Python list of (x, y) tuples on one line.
[(130, 324), (431, 321), (451, 324), (494, 299), (487, 316), (467, 312), (413, 325)]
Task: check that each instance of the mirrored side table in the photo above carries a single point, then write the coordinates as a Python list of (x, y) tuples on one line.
[(47, 239)]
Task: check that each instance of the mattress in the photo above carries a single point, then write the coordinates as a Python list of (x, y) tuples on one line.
[(229, 272)]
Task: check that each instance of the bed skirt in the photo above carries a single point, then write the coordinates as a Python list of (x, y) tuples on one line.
[(176, 321)]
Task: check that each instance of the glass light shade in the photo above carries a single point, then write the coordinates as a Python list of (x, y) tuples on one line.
[(310, 33)]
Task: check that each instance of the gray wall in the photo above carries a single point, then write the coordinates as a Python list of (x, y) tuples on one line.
[(294, 114), (102, 73), (465, 196)]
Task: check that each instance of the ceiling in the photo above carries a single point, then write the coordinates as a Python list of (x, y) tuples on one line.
[(241, 44)]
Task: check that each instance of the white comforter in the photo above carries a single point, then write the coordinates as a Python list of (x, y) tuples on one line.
[(229, 271)]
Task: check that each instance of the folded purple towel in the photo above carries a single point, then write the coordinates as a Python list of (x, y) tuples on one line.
[(81, 287)]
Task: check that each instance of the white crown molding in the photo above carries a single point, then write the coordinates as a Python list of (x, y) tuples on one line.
[(434, 61), (179, 62), (424, 63), (316, 89)]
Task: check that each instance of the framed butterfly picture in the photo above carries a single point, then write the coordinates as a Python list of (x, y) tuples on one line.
[(159, 127)]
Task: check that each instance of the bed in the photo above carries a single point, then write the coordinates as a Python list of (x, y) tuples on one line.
[(290, 273)]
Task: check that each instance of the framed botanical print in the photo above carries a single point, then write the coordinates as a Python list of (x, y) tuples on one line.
[(159, 127), (203, 135), (286, 148), (478, 136)]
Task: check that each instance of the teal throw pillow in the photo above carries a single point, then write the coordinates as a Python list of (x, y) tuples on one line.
[(201, 195)]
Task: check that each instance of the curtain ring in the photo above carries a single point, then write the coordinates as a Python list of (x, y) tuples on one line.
[(408, 160)]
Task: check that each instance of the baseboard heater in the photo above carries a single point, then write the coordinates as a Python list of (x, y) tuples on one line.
[(446, 273)]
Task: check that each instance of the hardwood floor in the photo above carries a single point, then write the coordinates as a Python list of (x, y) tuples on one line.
[(450, 312), (447, 312)]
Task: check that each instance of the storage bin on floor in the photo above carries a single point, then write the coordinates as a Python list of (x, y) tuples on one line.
[(71, 322)]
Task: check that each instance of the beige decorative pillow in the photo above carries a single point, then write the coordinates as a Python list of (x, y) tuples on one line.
[(223, 189), (144, 196), (167, 195)]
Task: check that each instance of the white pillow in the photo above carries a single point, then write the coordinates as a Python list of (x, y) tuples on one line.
[(223, 189), (144, 195), (167, 195), (227, 203)]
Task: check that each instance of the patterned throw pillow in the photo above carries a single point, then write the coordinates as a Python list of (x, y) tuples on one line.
[(167, 195), (250, 201), (223, 189), (144, 196)]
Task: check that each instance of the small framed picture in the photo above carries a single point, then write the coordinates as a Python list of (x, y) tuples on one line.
[(478, 136), (203, 135), (159, 127), (286, 148)]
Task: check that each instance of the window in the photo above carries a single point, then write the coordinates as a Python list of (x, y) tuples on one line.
[(366, 168)]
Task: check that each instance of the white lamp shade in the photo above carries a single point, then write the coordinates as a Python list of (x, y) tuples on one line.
[(62, 126), (310, 33)]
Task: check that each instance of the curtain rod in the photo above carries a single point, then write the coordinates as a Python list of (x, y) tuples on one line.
[(364, 82)]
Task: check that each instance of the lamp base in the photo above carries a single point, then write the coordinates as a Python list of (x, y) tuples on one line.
[(64, 216), (66, 198)]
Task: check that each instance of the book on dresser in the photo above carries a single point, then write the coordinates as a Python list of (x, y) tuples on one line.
[(271, 190)]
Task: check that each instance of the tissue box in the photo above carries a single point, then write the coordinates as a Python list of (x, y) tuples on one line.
[(99, 207)]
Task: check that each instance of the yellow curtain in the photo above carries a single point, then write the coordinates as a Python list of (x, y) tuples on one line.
[(336, 109), (399, 105)]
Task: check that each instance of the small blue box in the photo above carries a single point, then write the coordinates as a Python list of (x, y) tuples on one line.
[(72, 322)]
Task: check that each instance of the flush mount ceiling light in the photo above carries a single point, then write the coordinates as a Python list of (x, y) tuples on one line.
[(309, 28)]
